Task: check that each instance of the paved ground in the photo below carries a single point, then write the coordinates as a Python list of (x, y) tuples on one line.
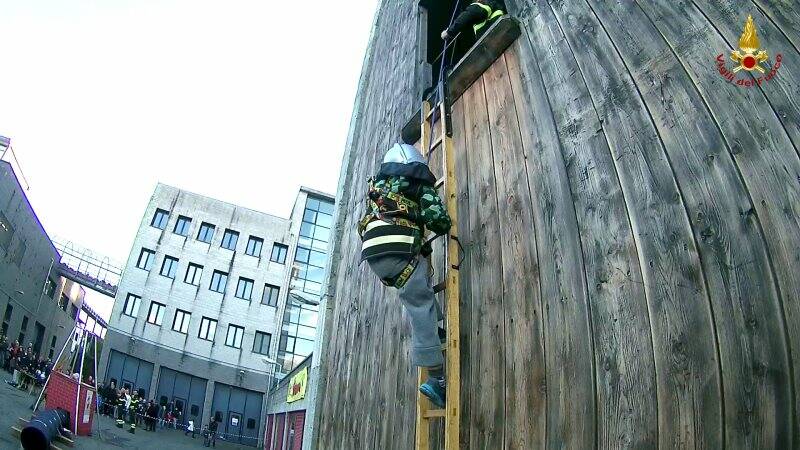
[(15, 403)]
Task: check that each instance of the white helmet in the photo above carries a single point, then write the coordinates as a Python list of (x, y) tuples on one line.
[(403, 154), (405, 160)]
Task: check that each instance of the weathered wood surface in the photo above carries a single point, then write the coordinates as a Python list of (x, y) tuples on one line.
[(522, 306), (569, 383), (631, 232)]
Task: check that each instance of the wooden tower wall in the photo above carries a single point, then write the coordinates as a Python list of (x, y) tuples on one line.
[(630, 222)]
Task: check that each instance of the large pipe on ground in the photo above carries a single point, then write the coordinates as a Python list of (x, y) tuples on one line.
[(43, 429)]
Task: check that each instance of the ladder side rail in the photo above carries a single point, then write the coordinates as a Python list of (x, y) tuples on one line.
[(422, 435), (452, 290)]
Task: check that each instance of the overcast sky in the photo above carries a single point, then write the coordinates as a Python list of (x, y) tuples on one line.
[(240, 100)]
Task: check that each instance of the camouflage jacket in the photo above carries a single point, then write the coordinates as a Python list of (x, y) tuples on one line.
[(433, 212)]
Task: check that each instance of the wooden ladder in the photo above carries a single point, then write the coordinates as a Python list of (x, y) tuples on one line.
[(452, 412)]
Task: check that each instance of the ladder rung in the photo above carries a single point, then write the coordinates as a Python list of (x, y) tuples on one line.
[(434, 109), (433, 413), (440, 287), (436, 143), (439, 183)]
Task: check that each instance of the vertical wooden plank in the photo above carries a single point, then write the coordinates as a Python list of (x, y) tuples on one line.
[(785, 16), (524, 340), (686, 369), (732, 253), (768, 166), (335, 392), (780, 96), (351, 300), (728, 18), (488, 388), (624, 362), (570, 413)]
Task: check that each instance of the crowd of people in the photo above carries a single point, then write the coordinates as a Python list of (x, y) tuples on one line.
[(18, 360), (123, 404), (126, 406)]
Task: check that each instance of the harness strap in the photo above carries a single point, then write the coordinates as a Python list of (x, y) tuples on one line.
[(401, 279)]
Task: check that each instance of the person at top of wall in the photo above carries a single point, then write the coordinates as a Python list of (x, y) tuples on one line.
[(479, 16), (401, 204)]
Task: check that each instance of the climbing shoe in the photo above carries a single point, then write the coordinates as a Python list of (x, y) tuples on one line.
[(434, 390)]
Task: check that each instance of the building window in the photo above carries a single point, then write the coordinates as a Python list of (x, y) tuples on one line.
[(181, 321), (270, 295), (22, 247), (52, 347), (261, 343), (64, 302), (208, 329), (7, 318), (6, 232), (182, 225), (229, 239), (251, 424), (22, 330), (298, 329), (131, 305), (50, 288), (193, 273), (234, 337), (146, 257), (169, 267), (254, 245), (160, 219), (156, 314), (218, 281), (244, 289), (279, 253), (206, 233)]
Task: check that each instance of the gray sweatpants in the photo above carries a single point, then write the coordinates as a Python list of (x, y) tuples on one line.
[(421, 306)]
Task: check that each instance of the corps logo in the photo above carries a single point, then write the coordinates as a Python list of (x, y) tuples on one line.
[(749, 58)]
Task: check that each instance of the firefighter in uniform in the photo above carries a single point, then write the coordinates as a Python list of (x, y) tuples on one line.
[(479, 15), (121, 409), (133, 410)]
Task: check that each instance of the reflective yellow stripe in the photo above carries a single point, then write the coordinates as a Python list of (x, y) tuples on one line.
[(394, 239), (492, 16)]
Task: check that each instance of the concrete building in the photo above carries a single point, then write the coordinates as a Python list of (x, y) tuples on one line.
[(38, 306), (203, 307)]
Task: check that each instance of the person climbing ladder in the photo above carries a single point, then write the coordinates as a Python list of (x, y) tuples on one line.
[(401, 204)]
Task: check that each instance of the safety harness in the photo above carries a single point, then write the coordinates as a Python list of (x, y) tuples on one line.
[(391, 226), (491, 15)]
